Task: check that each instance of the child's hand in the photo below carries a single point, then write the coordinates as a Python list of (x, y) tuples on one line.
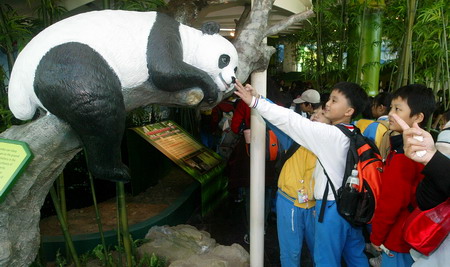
[(377, 248), (416, 140), (245, 93)]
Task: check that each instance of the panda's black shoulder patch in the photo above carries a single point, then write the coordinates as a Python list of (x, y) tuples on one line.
[(166, 68), (164, 42)]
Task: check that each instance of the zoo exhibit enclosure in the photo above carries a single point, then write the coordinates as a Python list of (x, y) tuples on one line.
[(200, 162), (149, 172)]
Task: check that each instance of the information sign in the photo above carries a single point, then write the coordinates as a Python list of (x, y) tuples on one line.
[(14, 157), (180, 147)]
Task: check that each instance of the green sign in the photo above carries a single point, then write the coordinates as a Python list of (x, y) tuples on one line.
[(180, 147), (14, 157), (200, 162)]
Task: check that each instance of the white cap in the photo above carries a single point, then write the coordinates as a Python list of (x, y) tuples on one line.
[(310, 96)]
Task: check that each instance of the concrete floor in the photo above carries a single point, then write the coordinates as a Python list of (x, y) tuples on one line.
[(227, 225)]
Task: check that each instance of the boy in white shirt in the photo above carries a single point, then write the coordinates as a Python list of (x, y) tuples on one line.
[(334, 237)]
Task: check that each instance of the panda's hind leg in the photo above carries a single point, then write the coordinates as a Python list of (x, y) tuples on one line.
[(77, 85)]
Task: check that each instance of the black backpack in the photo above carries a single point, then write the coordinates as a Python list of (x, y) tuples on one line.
[(364, 156)]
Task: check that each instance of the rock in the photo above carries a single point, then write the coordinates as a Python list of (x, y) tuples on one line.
[(186, 246)]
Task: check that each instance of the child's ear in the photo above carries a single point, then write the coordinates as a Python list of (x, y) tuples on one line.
[(418, 118), (382, 109), (349, 112)]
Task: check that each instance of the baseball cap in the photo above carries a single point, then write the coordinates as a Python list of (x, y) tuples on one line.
[(310, 96)]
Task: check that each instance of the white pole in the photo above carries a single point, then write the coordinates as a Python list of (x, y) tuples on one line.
[(257, 176)]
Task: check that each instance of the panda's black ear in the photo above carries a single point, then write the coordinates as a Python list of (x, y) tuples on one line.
[(210, 27)]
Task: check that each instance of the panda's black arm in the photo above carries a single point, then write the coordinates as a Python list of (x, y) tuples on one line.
[(167, 70)]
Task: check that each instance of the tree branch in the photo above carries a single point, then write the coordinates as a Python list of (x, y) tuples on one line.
[(240, 22), (284, 24)]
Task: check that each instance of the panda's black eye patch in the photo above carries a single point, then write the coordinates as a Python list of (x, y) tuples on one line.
[(224, 60)]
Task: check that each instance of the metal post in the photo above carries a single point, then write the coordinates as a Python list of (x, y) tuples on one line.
[(257, 176)]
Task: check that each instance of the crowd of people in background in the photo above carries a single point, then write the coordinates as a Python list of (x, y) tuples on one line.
[(309, 147)]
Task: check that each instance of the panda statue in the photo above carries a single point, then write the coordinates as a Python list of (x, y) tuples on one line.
[(79, 69)]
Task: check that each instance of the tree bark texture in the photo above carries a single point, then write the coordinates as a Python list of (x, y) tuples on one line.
[(54, 144), (254, 55)]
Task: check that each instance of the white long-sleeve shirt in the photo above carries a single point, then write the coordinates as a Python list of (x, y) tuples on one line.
[(327, 142)]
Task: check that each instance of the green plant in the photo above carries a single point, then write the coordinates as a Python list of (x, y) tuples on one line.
[(49, 11), (151, 261), (106, 259), (139, 5), (144, 115), (60, 260), (64, 227), (98, 219), (15, 32), (122, 220), (5, 114)]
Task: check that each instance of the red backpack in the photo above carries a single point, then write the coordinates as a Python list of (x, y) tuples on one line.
[(426, 230), (364, 156)]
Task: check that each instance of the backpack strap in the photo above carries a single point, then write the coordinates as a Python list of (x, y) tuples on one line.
[(385, 123), (285, 156), (325, 193), (352, 156), (351, 152)]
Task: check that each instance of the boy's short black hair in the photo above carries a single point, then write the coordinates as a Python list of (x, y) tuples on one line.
[(447, 115), (383, 98), (419, 98), (355, 94), (316, 105)]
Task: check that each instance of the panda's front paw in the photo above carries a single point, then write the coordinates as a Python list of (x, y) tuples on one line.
[(211, 97)]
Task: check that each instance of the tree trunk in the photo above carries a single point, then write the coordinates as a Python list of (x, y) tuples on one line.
[(354, 32), (319, 45), (53, 144), (404, 60), (343, 34), (370, 52), (253, 54)]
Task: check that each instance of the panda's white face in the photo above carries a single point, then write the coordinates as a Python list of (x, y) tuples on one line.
[(218, 57)]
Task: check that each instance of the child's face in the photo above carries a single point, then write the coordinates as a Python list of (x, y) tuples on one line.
[(337, 109), (378, 110), (318, 115), (400, 107)]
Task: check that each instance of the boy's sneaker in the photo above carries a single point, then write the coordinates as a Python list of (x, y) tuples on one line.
[(375, 262), (371, 250)]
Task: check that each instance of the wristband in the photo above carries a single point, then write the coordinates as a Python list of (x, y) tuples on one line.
[(254, 102)]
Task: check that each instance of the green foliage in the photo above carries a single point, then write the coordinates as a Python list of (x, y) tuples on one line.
[(139, 5), (6, 116), (338, 29), (60, 260), (99, 253), (143, 116), (330, 28), (49, 11), (17, 28), (112, 259), (151, 261)]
